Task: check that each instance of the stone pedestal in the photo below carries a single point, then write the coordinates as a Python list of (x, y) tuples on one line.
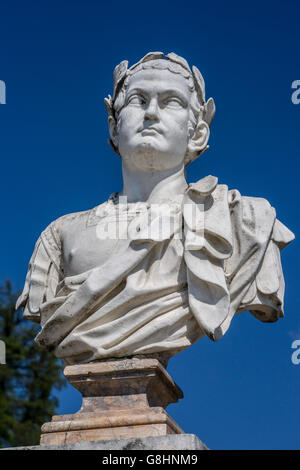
[(156, 443), (122, 398)]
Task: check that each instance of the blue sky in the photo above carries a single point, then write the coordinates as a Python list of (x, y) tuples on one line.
[(57, 60)]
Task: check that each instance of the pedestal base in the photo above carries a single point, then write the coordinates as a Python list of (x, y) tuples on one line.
[(122, 398), (168, 442)]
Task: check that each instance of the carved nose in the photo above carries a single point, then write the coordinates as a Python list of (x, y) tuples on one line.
[(152, 111)]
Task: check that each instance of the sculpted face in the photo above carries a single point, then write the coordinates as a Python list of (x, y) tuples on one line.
[(153, 128)]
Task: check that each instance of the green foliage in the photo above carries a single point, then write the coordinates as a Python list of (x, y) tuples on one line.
[(28, 378)]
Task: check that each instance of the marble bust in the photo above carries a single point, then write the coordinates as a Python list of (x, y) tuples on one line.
[(155, 291)]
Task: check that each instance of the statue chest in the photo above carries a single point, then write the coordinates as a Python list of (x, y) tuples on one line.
[(82, 250), (92, 242)]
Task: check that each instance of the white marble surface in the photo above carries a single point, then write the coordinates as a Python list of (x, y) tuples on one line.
[(185, 258)]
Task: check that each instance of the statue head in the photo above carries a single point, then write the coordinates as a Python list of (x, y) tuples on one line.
[(158, 116)]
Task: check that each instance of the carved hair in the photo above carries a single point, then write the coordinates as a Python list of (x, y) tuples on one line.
[(201, 109)]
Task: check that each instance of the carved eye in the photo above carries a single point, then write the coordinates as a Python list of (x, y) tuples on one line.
[(173, 102), (137, 100)]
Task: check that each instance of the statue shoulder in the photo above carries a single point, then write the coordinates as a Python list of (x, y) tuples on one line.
[(256, 204), (69, 222), (45, 265)]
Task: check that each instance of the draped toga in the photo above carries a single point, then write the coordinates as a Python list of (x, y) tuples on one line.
[(155, 292)]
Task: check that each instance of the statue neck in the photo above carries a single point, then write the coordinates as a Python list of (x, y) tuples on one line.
[(152, 187)]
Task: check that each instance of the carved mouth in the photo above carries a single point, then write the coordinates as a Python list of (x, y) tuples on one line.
[(150, 131)]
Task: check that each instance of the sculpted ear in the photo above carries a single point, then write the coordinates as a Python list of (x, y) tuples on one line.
[(113, 130), (199, 139)]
